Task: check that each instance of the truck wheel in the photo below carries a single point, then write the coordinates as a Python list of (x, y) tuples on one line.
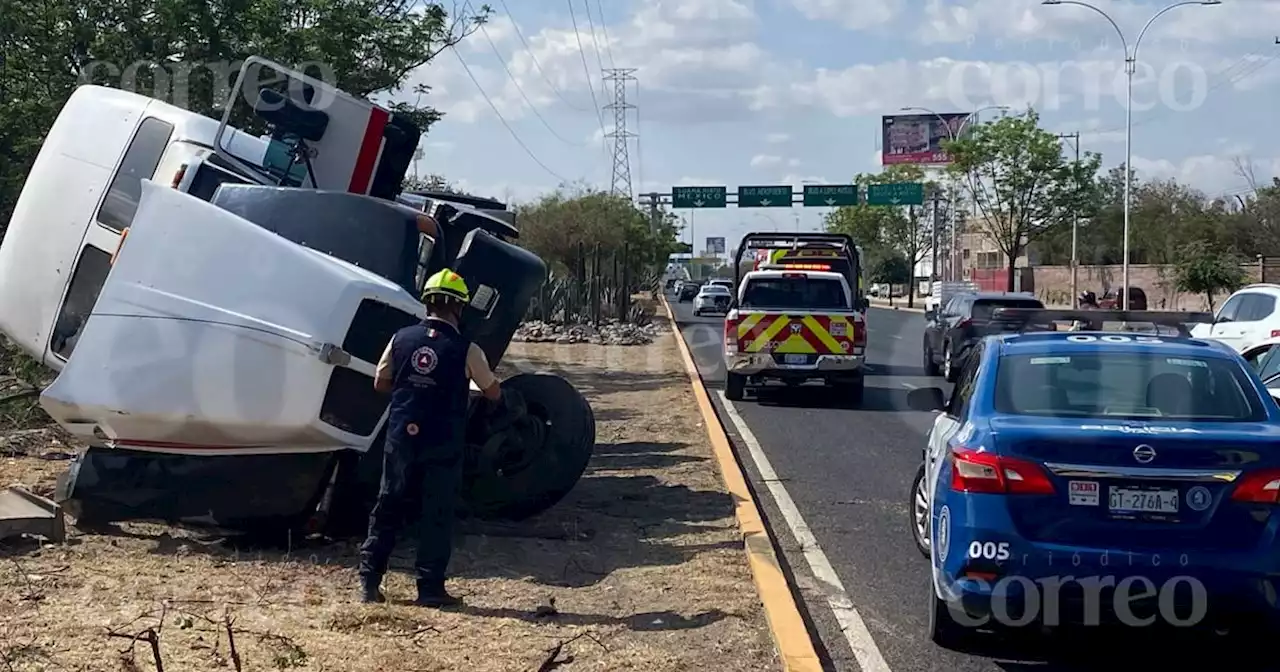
[(735, 385), (531, 466)]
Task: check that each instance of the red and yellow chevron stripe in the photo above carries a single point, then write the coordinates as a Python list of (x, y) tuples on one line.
[(797, 334)]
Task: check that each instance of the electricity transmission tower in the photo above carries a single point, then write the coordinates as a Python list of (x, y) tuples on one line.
[(620, 135)]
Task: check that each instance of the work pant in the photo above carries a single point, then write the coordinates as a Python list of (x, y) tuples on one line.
[(418, 482)]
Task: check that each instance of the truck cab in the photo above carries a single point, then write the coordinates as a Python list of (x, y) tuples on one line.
[(798, 318)]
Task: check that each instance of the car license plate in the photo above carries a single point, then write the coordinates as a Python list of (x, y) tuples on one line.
[(796, 359), (1133, 500)]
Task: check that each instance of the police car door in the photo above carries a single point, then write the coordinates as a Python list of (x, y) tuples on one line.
[(951, 420)]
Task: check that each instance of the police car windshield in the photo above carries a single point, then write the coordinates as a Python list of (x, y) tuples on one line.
[(794, 291), (1126, 386)]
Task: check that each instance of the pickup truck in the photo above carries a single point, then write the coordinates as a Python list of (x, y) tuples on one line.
[(798, 321)]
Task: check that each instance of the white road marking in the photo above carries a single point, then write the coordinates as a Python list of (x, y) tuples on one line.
[(896, 337), (851, 624)]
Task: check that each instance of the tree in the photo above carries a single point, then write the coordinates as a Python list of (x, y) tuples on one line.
[(887, 231), (1020, 181), (891, 269), (1208, 270), (564, 225), (436, 183), (186, 53)]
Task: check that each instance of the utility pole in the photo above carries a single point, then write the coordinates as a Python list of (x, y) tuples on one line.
[(655, 213), (933, 242), (1075, 227), (620, 135)]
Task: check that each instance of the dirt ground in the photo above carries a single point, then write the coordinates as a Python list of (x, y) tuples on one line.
[(640, 568)]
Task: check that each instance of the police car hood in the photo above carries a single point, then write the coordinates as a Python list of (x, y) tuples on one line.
[(213, 335), (1104, 441)]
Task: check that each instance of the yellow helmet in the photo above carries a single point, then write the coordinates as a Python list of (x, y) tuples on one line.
[(446, 283)]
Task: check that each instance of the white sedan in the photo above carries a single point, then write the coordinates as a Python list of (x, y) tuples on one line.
[(712, 299)]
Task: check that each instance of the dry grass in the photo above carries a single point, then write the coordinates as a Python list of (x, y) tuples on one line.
[(642, 561)]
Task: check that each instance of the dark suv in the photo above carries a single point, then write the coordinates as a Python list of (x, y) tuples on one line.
[(962, 322)]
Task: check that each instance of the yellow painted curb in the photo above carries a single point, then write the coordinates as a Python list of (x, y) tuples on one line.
[(787, 627)]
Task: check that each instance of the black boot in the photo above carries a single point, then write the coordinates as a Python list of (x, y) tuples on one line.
[(370, 592), (432, 594)]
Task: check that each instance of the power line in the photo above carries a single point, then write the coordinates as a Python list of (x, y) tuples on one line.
[(519, 88), (595, 42), (534, 59), (639, 133), (1249, 70), (504, 121), (595, 103), (604, 28)]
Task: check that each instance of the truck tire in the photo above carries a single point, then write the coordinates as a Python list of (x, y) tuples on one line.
[(735, 386), (529, 479), (855, 391)]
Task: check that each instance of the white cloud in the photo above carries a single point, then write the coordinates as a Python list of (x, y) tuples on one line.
[(765, 160), (1214, 174), (793, 162), (1032, 24), (777, 138), (851, 14)]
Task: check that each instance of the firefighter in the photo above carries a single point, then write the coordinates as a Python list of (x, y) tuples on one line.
[(425, 368)]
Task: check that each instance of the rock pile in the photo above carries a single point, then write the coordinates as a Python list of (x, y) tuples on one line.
[(611, 332)]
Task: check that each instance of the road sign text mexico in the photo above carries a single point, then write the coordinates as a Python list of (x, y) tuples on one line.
[(698, 197)]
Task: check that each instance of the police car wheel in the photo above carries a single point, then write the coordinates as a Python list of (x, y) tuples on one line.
[(943, 629), (921, 520)]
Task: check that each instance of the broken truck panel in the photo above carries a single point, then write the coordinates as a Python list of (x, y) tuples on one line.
[(207, 339), (24, 512), (242, 492)]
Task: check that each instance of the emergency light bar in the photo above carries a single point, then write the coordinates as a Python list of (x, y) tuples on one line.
[(1023, 320), (808, 267)]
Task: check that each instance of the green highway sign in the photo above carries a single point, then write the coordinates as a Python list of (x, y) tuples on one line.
[(830, 195), (698, 197), (896, 193), (764, 197)]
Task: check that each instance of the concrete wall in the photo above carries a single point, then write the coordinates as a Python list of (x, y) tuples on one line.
[(1053, 284)]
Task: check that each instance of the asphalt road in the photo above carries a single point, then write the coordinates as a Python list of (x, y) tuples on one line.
[(848, 472)]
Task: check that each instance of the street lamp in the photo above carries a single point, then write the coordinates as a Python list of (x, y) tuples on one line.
[(952, 264), (1130, 66)]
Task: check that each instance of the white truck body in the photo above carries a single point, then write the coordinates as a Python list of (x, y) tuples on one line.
[(210, 336)]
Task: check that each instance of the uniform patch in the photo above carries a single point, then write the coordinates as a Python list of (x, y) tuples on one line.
[(411, 429), (424, 360), (1083, 493)]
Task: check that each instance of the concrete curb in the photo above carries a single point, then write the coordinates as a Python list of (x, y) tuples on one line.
[(878, 304), (786, 625)]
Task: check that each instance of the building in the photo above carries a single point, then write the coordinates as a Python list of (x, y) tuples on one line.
[(982, 261)]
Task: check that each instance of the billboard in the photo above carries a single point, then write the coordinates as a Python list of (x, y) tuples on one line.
[(715, 245), (917, 138)]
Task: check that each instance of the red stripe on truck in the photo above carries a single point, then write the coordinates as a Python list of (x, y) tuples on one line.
[(370, 148)]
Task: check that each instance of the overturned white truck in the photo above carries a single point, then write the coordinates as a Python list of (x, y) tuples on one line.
[(215, 303)]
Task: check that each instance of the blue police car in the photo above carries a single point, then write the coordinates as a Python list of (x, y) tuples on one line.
[(1082, 477)]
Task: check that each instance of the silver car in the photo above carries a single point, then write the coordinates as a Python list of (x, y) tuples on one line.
[(712, 299)]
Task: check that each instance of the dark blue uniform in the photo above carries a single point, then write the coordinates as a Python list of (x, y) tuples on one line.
[(422, 463)]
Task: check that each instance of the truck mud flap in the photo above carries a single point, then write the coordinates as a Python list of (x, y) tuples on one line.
[(241, 492)]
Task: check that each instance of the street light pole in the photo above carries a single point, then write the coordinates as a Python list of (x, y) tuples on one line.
[(1075, 224), (953, 262), (1130, 66)]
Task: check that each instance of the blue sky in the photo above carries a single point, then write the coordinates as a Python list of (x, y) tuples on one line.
[(787, 91)]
